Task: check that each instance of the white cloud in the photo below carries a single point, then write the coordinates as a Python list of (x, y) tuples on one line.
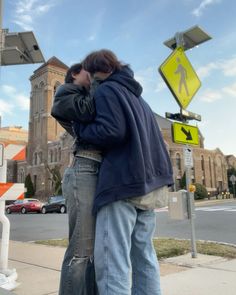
[(27, 11), (160, 86), (20, 100), (199, 10), (91, 37), (96, 24), (9, 90), (210, 96), (5, 107), (230, 90), (147, 78), (205, 71), (227, 66)]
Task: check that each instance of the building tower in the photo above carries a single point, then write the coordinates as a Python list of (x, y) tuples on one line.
[(43, 128)]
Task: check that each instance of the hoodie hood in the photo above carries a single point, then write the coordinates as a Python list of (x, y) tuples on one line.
[(125, 77)]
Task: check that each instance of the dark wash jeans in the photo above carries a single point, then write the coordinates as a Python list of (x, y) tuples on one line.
[(79, 184)]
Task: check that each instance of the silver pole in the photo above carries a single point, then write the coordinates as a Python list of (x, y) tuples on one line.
[(191, 211)]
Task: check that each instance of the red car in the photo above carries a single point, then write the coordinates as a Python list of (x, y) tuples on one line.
[(25, 206)]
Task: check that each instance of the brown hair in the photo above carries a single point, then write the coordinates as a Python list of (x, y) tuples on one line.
[(103, 60), (74, 69)]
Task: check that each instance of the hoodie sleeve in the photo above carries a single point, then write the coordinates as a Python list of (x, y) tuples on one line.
[(72, 103), (109, 126)]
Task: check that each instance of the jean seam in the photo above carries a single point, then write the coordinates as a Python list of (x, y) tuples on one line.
[(106, 250)]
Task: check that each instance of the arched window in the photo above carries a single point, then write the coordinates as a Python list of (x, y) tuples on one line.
[(51, 156), (202, 163), (41, 97), (22, 176), (35, 158), (40, 156), (59, 154), (35, 99), (55, 155), (178, 161), (57, 84), (210, 171)]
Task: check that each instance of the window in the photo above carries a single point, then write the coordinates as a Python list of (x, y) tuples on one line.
[(202, 163), (59, 154), (35, 182), (178, 161), (35, 159), (22, 176), (210, 172), (40, 156), (55, 87), (41, 97), (51, 156), (55, 152)]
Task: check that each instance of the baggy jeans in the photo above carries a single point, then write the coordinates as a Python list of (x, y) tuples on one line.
[(78, 186), (125, 259)]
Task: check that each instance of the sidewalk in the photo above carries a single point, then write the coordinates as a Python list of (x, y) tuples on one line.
[(38, 269)]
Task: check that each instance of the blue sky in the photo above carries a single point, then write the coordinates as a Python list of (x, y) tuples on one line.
[(135, 30)]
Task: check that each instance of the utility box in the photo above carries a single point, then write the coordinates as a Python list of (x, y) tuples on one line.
[(178, 205)]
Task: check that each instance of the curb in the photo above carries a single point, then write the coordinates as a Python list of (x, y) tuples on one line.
[(208, 202)]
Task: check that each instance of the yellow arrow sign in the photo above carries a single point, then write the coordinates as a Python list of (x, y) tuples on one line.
[(185, 134), (180, 77)]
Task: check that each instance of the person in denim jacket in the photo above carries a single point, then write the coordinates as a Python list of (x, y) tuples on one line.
[(73, 102)]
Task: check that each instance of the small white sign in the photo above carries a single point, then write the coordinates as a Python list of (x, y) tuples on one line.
[(188, 157), (1, 154), (232, 179)]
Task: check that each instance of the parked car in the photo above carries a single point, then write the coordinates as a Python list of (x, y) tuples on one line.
[(54, 204), (25, 206)]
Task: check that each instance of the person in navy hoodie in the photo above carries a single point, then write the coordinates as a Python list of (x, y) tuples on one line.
[(135, 170)]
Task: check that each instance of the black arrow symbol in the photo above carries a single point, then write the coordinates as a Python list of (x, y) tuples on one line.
[(187, 133)]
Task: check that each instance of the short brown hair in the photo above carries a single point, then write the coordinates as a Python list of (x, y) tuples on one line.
[(103, 60), (74, 69)]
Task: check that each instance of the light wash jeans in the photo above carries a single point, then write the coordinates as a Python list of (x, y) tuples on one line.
[(125, 259), (78, 186)]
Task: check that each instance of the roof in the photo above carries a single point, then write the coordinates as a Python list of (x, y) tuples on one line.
[(53, 61), (163, 122)]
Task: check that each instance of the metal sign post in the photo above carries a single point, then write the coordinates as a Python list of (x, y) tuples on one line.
[(183, 82), (188, 163)]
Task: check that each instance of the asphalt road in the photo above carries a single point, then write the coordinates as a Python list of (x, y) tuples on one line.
[(215, 223)]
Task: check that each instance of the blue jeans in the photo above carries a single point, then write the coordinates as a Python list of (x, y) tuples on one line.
[(125, 259), (78, 186)]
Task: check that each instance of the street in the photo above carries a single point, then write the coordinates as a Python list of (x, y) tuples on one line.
[(215, 223)]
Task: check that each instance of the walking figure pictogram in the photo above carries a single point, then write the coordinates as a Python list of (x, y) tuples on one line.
[(183, 76)]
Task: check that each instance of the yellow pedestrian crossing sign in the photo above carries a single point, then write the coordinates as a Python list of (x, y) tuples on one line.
[(180, 77), (185, 134)]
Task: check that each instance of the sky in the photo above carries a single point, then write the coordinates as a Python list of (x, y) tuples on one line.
[(135, 30)]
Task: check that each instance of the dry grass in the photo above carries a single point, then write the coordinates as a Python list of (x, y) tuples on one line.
[(173, 247), (166, 247)]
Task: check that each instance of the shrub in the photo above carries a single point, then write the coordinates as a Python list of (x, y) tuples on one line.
[(201, 192), (29, 186)]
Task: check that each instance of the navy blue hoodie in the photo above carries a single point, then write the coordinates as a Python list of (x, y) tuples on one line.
[(136, 160)]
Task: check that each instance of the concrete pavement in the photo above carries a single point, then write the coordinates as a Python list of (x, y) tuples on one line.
[(38, 269)]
